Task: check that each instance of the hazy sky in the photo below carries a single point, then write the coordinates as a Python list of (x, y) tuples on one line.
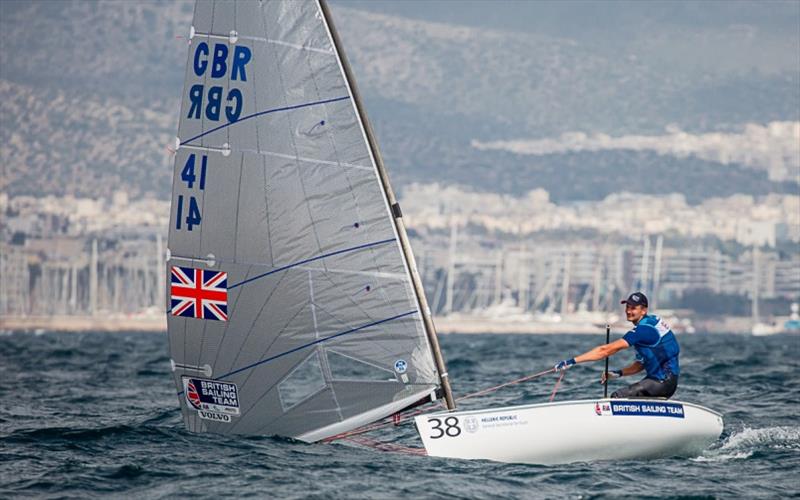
[(580, 18), (725, 35)]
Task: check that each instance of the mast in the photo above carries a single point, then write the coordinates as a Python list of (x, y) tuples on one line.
[(596, 282), (498, 278), (657, 269), (451, 267), (643, 278), (756, 280), (397, 215), (524, 279), (565, 284), (93, 280)]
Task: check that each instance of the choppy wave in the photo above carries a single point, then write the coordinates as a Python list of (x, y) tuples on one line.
[(92, 414)]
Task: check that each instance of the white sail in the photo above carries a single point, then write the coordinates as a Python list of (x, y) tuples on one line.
[(292, 307)]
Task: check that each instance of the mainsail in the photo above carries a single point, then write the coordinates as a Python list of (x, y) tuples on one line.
[(295, 308)]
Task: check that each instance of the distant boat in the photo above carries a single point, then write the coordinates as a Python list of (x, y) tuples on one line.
[(789, 325), (759, 328), (295, 305)]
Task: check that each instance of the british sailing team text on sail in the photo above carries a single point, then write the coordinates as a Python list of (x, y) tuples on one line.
[(220, 392)]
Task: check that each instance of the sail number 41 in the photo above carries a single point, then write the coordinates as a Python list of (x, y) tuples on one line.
[(444, 427), (191, 208)]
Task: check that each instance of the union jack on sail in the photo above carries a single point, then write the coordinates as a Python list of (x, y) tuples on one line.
[(191, 394), (199, 293)]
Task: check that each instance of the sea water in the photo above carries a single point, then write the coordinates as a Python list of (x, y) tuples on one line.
[(97, 414)]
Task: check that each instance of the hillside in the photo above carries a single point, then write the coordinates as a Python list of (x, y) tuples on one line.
[(89, 95)]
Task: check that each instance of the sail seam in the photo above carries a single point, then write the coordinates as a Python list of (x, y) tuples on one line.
[(312, 259), (308, 160), (266, 112), (319, 341)]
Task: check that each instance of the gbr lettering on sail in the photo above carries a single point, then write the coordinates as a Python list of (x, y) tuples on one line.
[(218, 64)]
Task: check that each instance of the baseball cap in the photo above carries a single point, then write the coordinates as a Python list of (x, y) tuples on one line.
[(636, 299)]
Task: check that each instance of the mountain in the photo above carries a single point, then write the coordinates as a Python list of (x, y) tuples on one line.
[(83, 143), (108, 47), (533, 83), (89, 93)]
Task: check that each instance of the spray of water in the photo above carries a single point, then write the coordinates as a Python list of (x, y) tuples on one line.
[(742, 444)]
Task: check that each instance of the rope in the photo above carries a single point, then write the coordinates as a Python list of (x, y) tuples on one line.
[(555, 389), (376, 425), (383, 446), (513, 382), (395, 419)]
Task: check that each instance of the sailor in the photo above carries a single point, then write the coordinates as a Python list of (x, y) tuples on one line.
[(656, 352)]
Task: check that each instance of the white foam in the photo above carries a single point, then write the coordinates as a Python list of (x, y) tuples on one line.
[(770, 437), (722, 457), (744, 443)]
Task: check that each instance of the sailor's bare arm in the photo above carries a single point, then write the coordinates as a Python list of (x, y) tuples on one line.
[(602, 351)]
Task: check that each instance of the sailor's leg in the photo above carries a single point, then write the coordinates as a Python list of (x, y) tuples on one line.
[(649, 388), (634, 390), (668, 386)]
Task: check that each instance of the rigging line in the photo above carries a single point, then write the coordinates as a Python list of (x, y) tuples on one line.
[(555, 389), (265, 112), (497, 387), (386, 422), (309, 344), (386, 446), (312, 259), (377, 425)]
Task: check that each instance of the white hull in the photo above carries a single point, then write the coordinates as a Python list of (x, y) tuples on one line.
[(572, 431)]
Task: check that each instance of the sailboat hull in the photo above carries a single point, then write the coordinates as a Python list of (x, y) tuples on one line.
[(572, 431)]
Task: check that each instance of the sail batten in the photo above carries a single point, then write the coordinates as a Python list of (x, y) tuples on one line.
[(292, 305), (261, 113), (312, 259), (227, 36)]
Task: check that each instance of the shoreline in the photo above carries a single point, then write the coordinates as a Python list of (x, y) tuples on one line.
[(158, 324), (79, 324)]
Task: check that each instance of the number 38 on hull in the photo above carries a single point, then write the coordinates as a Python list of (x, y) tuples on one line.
[(572, 431)]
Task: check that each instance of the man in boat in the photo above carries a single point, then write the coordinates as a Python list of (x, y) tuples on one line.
[(656, 352)]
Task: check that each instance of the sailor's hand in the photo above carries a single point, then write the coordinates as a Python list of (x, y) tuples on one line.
[(611, 374), (563, 365)]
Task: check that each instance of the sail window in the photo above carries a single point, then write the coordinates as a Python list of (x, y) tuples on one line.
[(345, 367), (303, 382)]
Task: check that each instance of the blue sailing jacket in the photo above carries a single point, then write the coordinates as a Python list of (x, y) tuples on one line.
[(656, 347)]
